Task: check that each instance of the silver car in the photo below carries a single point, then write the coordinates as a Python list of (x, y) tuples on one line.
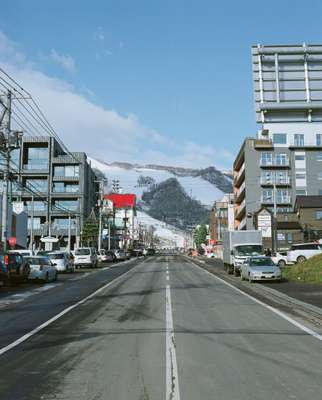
[(63, 261), (260, 269), (41, 268)]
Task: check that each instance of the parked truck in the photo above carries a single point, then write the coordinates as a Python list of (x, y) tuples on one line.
[(238, 245)]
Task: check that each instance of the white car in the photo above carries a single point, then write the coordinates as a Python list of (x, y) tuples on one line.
[(102, 256), (300, 252), (260, 269), (41, 268), (86, 256), (280, 259), (62, 260)]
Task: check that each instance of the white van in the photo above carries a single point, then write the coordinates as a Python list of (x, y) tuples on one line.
[(85, 256), (300, 252)]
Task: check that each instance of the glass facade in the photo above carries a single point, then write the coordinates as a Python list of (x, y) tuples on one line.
[(40, 185), (63, 187), (66, 170), (279, 138), (298, 139), (36, 223), (37, 158), (38, 205), (62, 223), (72, 205)]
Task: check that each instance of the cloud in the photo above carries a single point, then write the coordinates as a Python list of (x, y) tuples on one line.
[(102, 133), (64, 60), (99, 35)]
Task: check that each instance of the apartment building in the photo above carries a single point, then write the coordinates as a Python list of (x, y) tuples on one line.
[(57, 188), (222, 217), (284, 160)]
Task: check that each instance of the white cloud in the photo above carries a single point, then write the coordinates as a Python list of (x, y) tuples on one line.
[(64, 60), (100, 132)]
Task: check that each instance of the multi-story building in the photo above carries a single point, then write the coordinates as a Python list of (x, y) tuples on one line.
[(58, 189), (222, 217), (285, 159)]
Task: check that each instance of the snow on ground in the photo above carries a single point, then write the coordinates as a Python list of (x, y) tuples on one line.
[(195, 187), (163, 230)]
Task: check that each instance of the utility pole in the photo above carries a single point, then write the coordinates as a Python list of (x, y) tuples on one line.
[(69, 232), (31, 244), (100, 205), (274, 233)]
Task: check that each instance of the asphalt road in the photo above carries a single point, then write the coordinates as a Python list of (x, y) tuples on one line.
[(165, 329)]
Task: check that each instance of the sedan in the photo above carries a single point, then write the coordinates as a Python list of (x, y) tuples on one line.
[(260, 269), (41, 268)]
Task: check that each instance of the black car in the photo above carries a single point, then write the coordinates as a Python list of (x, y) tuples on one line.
[(13, 268)]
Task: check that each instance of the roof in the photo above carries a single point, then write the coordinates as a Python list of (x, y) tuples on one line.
[(308, 202), (122, 200)]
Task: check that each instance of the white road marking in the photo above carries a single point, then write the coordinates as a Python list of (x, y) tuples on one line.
[(57, 316), (274, 310), (172, 378), (19, 297)]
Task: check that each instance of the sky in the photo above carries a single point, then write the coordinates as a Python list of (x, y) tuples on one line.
[(148, 81)]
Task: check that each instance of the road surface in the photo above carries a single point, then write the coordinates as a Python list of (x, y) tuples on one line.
[(163, 329)]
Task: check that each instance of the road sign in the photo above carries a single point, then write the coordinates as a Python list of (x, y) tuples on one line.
[(264, 223)]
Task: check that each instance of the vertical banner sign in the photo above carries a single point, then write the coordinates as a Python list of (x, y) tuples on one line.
[(264, 223)]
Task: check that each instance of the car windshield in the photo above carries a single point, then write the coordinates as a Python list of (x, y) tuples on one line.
[(82, 252), (33, 260), (56, 256), (249, 250), (259, 262)]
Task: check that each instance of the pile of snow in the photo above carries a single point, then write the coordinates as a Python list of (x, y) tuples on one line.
[(195, 187)]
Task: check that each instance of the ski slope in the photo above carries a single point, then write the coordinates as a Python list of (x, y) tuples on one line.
[(195, 187)]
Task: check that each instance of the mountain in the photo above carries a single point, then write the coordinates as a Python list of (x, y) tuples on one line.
[(168, 202), (175, 197)]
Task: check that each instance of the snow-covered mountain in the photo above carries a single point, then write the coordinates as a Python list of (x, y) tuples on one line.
[(205, 185)]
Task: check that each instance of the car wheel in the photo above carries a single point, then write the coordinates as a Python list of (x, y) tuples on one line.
[(236, 273), (242, 276), (301, 259), (250, 279), (281, 263)]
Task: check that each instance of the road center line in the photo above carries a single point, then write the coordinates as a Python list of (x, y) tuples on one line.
[(274, 310), (59, 315), (172, 380)]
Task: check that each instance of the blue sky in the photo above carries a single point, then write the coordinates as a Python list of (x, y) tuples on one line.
[(161, 81)]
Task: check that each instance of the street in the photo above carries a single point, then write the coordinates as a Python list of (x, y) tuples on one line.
[(165, 329)]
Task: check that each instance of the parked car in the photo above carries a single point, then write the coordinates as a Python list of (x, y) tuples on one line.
[(41, 268), (13, 268), (86, 256), (260, 268), (110, 256), (301, 252), (280, 259), (137, 252), (120, 255), (62, 260), (150, 252), (101, 255)]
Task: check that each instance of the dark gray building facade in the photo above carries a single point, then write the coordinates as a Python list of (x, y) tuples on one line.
[(58, 188)]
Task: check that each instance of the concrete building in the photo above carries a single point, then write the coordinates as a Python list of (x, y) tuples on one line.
[(284, 160), (54, 186), (309, 213), (222, 217)]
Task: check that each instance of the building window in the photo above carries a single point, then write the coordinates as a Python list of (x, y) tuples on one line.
[(279, 138), (71, 205), (282, 196), (267, 196), (319, 139), (41, 185), (38, 205), (36, 223), (290, 237), (66, 170), (320, 175), (281, 159), (266, 178), (300, 192), (318, 215), (319, 157), (320, 192), (37, 158), (266, 159), (298, 139), (300, 175), (281, 177), (299, 157)]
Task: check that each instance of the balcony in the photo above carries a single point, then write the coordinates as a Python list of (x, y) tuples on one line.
[(279, 200), (240, 211), (263, 144), (275, 163), (279, 182), (240, 194), (238, 179)]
